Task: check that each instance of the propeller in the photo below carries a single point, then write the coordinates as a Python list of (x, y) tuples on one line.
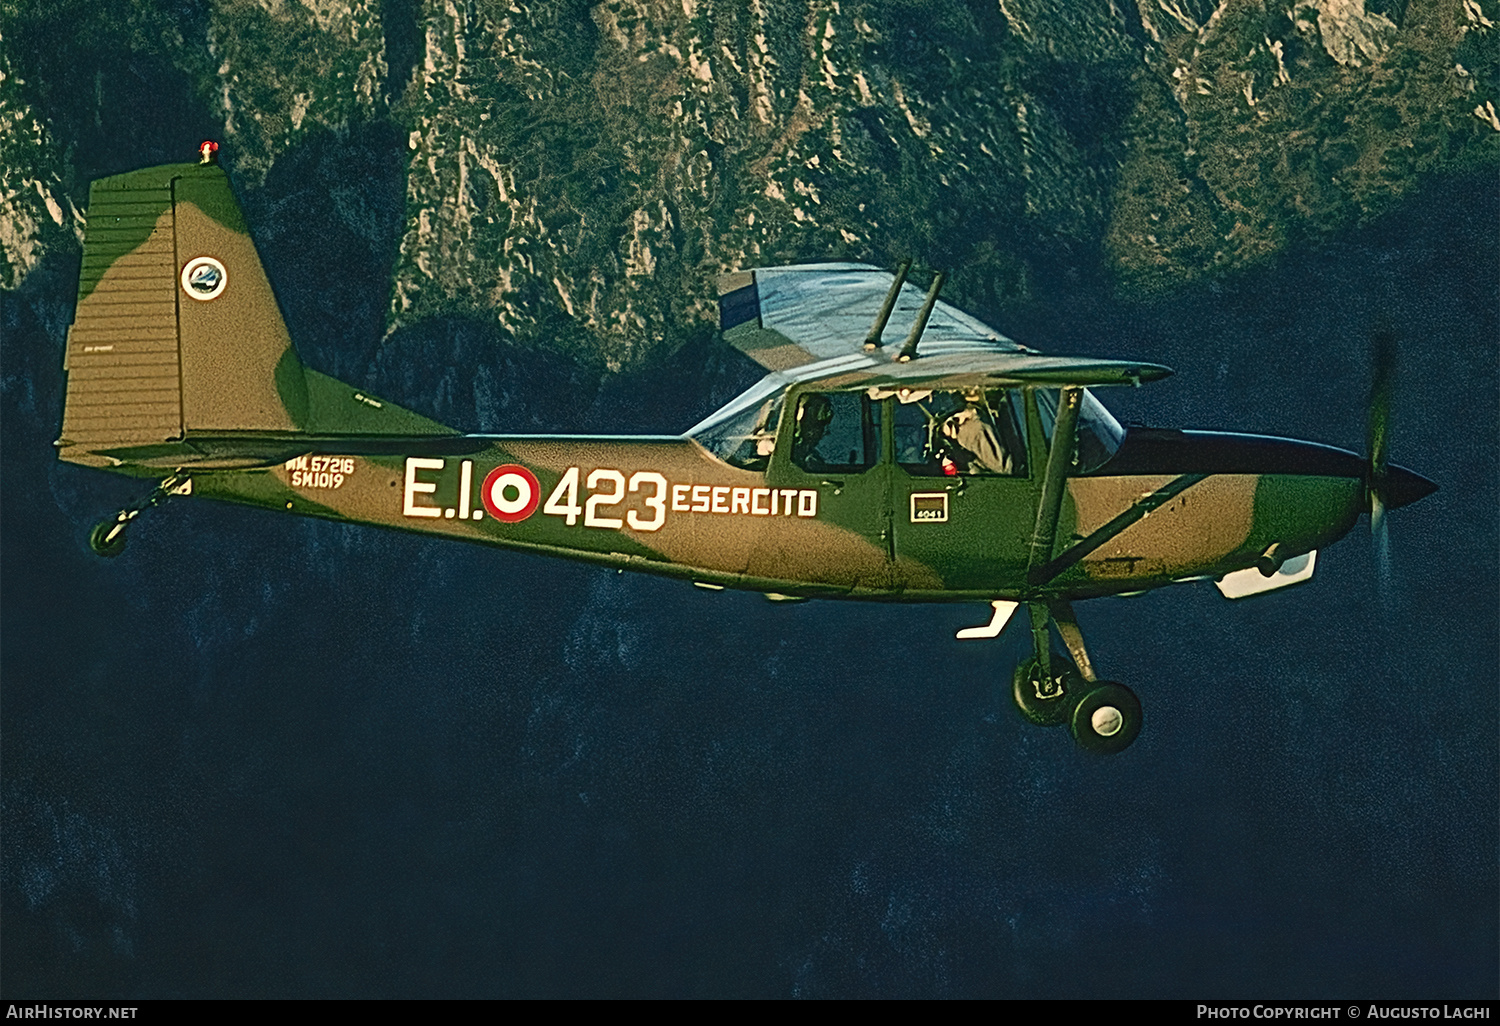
[(1377, 483)]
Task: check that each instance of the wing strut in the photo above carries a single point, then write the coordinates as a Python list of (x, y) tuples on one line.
[(1058, 459), (1067, 629)]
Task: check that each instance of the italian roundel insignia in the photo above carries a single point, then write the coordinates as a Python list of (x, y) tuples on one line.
[(511, 493)]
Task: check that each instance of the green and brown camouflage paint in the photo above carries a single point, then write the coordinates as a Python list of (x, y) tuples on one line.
[(161, 381)]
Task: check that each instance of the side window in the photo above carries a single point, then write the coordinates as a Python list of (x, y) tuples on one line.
[(747, 439), (952, 433), (836, 432)]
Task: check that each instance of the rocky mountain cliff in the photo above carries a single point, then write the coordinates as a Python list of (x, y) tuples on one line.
[(577, 173)]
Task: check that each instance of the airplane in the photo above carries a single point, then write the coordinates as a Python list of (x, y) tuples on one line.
[(957, 466)]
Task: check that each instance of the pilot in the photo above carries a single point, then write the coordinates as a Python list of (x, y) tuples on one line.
[(973, 446), (813, 417)]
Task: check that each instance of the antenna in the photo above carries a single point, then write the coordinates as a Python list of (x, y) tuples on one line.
[(909, 351), (872, 340)]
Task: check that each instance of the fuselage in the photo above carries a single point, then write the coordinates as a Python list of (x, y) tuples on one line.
[(971, 468), (1168, 506)]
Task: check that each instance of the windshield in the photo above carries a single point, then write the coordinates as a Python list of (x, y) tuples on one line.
[(1099, 434), (743, 434)]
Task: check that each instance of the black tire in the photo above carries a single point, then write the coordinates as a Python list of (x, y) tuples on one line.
[(1044, 712), (1107, 719), (111, 548)]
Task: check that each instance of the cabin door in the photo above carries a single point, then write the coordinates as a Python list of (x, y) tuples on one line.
[(963, 488), (833, 469)]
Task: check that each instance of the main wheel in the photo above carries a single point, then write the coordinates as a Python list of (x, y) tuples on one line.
[(1044, 705), (1107, 719), (102, 543)]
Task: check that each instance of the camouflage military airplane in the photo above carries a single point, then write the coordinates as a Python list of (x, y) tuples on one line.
[(957, 467)]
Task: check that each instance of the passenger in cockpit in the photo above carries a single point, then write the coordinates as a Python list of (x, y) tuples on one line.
[(974, 446), (813, 417)]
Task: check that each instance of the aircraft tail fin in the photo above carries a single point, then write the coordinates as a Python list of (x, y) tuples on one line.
[(177, 335)]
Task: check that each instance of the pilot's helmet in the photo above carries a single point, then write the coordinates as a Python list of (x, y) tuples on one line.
[(815, 409)]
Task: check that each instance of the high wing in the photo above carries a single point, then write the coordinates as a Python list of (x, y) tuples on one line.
[(811, 320), (785, 317)]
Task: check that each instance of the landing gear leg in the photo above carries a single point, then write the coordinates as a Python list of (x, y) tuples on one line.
[(1041, 686), (1101, 715), (108, 536)]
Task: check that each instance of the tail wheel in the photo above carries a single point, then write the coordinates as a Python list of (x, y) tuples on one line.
[(1043, 702), (1107, 719), (101, 542)]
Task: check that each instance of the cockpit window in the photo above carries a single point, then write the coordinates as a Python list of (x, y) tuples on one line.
[(1099, 434), (975, 431), (836, 432), (745, 439), (949, 433)]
